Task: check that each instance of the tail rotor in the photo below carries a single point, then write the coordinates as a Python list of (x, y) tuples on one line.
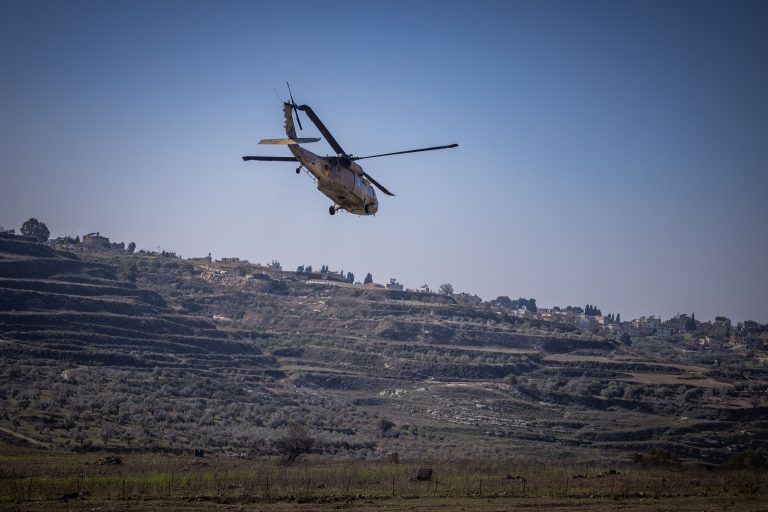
[(293, 104)]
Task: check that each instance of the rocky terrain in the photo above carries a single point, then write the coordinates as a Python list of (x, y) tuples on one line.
[(118, 351)]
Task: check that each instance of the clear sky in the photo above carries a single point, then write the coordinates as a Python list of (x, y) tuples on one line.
[(612, 153)]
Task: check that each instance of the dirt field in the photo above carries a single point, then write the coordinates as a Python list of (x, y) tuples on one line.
[(423, 504)]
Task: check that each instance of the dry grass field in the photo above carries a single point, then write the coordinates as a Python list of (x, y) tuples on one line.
[(45, 480)]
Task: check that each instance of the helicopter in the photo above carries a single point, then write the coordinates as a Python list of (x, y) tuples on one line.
[(339, 177)]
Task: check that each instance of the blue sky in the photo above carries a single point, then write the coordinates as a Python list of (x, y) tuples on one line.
[(612, 153)]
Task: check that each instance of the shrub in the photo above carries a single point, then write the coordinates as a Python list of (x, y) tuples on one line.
[(749, 459), (657, 457)]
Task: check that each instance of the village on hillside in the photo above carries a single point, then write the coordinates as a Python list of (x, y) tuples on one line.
[(692, 334)]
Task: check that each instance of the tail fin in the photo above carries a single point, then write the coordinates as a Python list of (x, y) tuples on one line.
[(290, 130), (290, 141)]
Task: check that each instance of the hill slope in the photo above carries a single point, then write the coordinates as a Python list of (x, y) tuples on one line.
[(226, 357)]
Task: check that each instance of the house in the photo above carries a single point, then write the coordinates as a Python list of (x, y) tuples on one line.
[(586, 322), (679, 322), (711, 343), (95, 241), (646, 324), (750, 326), (394, 285)]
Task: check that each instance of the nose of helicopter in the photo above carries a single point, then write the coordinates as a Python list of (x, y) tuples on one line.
[(371, 208)]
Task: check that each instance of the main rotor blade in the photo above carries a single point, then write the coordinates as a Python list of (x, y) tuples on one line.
[(320, 126), (403, 152), (377, 184), (271, 158)]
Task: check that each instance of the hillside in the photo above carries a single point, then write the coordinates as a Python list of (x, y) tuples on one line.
[(225, 357)]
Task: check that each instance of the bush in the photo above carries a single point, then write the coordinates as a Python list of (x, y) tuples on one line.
[(385, 425), (749, 459), (657, 457)]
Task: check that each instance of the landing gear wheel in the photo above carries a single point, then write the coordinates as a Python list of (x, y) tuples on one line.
[(332, 210), (298, 170)]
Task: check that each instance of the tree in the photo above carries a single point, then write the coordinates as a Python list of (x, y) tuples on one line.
[(35, 229), (690, 324), (131, 247), (294, 443), (592, 310), (618, 318), (300, 269), (468, 299), (385, 424), (503, 301), (350, 277), (308, 269), (129, 272), (446, 289), (368, 279)]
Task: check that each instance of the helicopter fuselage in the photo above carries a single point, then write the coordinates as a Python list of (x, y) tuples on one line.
[(341, 180), (339, 177)]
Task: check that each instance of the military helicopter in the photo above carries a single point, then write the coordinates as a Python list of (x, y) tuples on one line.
[(339, 177)]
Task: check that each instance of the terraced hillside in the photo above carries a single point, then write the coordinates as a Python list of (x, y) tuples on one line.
[(189, 356)]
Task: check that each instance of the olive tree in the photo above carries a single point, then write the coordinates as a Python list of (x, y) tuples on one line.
[(35, 229)]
